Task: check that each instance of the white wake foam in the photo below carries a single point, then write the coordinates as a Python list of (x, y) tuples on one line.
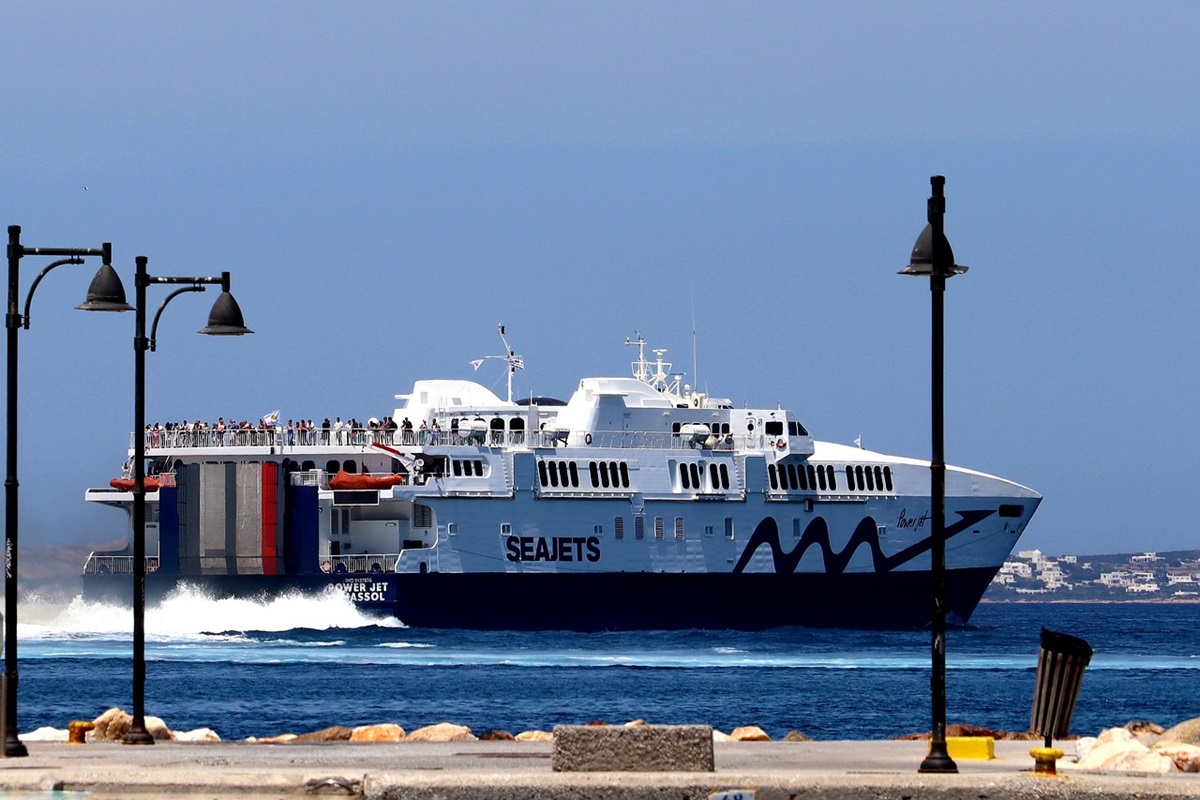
[(189, 612)]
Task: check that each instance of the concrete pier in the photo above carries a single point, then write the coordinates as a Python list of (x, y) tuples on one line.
[(500, 769)]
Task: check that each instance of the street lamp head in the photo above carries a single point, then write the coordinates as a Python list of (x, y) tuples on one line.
[(921, 262), (225, 319), (106, 292)]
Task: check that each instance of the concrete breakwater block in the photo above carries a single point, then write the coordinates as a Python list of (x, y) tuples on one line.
[(641, 748)]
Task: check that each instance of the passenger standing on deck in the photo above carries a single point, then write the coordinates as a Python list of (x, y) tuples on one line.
[(325, 431)]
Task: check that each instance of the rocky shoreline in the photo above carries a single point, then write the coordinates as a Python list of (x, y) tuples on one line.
[(113, 724)]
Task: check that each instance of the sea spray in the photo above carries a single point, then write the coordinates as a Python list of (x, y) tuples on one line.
[(189, 612)]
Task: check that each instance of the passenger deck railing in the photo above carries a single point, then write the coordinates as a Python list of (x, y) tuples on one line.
[(360, 563), (295, 441), (115, 565)]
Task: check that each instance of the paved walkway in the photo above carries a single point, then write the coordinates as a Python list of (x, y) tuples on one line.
[(479, 770)]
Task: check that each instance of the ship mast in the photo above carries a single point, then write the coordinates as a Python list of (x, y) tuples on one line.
[(661, 379), (514, 361)]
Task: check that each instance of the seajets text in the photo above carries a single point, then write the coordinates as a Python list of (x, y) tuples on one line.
[(554, 548)]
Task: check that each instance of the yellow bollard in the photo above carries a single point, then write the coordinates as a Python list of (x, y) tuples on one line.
[(77, 731), (1044, 761)]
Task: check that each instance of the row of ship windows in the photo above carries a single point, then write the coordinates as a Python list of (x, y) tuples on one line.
[(660, 528), (823, 477), (691, 476), (464, 467), (603, 474), (639, 528)]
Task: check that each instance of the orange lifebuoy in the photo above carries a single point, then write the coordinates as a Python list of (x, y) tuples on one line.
[(587, 438), (324, 566), (781, 444)]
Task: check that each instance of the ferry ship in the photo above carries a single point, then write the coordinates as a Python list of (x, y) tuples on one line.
[(639, 503)]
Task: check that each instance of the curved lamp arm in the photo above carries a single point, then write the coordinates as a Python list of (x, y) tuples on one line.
[(157, 314), (38, 279)]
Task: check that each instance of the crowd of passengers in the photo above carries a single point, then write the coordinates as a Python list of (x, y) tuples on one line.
[(234, 433)]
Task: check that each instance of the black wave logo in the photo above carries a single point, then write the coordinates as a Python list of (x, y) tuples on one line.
[(867, 532)]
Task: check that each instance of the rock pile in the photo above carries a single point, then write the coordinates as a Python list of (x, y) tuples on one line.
[(1143, 748), (113, 724)]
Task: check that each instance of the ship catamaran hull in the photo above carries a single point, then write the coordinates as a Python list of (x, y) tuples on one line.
[(641, 601)]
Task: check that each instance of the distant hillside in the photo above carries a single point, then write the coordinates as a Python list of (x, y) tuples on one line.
[(42, 567), (1031, 575)]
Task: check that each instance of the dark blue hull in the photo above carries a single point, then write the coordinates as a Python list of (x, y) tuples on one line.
[(605, 601)]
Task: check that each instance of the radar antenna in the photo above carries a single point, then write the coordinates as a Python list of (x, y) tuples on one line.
[(661, 377)]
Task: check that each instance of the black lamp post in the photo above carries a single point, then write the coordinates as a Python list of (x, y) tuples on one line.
[(932, 257), (108, 281), (225, 319)]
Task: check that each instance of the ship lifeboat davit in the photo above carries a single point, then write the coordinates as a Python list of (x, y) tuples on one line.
[(347, 480), (126, 484)]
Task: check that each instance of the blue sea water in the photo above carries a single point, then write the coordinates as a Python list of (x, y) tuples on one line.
[(258, 668)]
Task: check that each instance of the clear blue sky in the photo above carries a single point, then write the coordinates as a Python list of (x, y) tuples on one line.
[(387, 181)]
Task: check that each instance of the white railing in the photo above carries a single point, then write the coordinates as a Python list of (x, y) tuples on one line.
[(295, 439), (361, 563), (116, 565)]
